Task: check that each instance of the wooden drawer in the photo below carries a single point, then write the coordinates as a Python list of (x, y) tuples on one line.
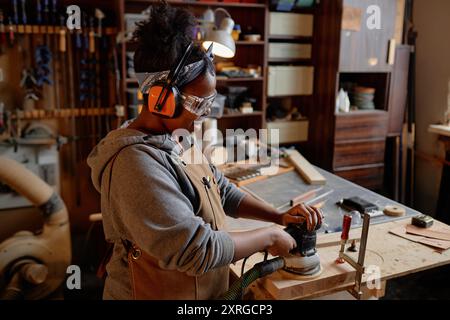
[(360, 125), (358, 153), (367, 177)]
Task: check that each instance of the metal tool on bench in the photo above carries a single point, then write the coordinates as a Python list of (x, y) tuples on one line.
[(309, 198), (343, 257), (360, 205)]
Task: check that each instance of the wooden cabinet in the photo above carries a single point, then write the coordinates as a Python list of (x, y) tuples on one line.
[(359, 148), (349, 154), (370, 176), (366, 58), (364, 49), (361, 125)]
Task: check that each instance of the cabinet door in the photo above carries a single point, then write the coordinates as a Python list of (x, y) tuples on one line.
[(399, 90), (364, 49)]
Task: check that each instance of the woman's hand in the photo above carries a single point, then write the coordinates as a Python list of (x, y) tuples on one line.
[(282, 242), (301, 213)]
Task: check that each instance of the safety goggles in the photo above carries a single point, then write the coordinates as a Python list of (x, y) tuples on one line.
[(199, 106)]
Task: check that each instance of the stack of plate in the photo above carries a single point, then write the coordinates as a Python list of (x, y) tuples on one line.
[(363, 98)]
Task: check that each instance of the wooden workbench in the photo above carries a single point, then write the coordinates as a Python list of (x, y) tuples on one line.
[(388, 254)]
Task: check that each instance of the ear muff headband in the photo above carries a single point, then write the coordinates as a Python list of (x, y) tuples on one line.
[(166, 102)]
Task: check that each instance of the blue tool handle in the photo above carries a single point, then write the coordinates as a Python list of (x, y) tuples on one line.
[(46, 11), (15, 12), (24, 12), (38, 12), (78, 42), (54, 12)]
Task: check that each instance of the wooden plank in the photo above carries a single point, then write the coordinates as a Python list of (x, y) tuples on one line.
[(306, 170), (393, 255)]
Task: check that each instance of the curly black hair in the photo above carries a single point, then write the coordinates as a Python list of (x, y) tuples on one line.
[(163, 38)]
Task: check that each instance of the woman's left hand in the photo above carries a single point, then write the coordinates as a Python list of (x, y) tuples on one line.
[(301, 213)]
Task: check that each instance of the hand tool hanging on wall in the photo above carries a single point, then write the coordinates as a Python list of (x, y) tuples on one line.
[(54, 49), (13, 21), (2, 118), (11, 36), (29, 81), (3, 41), (43, 55), (85, 83), (103, 66), (71, 62), (38, 12), (120, 109), (54, 16), (15, 16), (99, 15), (24, 13), (93, 75), (61, 52)]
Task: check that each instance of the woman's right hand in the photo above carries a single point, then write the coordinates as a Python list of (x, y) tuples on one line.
[(282, 242), (273, 239)]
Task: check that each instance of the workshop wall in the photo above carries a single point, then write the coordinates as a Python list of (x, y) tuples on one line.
[(432, 89)]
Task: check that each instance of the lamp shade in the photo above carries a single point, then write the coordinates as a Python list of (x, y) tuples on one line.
[(223, 43), (219, 34)]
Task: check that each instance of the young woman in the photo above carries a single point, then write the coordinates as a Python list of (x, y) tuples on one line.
[(166, 215)]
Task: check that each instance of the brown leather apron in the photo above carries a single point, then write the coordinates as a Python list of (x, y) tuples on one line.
[(149, 281)]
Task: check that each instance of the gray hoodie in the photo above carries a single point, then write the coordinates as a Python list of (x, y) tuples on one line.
[(147, 198)]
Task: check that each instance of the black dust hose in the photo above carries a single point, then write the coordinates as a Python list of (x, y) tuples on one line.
[(259, 270)]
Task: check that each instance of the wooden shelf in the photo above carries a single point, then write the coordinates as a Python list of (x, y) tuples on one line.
[(49, 29), (224, 79), (304, 10), (250, 43), (219, 79), (289, 95), (206, 4), (361, 112), (132, 80), (239, 114), (62, 113), (287, 60), (289, 37)]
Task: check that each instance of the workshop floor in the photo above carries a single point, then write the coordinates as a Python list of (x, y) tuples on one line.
[(432, 284)]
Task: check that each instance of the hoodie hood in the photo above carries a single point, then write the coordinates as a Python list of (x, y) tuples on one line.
[(118, 139)]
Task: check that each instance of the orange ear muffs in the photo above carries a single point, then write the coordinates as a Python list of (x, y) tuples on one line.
[(167, 109)]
